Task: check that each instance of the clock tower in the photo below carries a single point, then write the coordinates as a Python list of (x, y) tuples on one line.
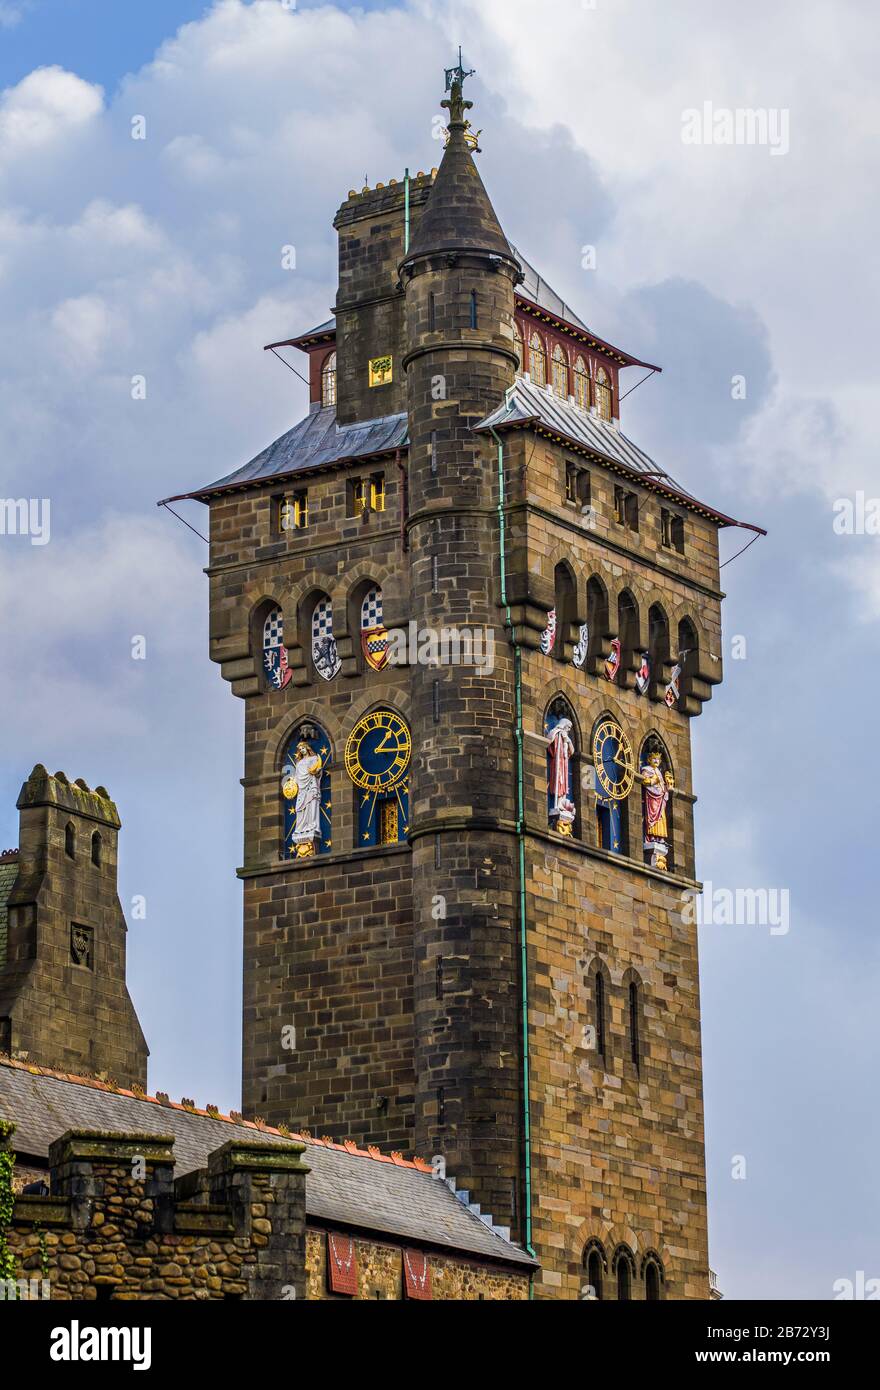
[(472, 622)]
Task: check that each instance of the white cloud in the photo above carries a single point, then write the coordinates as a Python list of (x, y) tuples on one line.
[(45, 104)]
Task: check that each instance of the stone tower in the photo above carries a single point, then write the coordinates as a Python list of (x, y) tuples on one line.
[(63, 997), (467, 878)]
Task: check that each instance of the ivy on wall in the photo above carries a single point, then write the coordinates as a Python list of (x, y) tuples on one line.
[(7, 1200)]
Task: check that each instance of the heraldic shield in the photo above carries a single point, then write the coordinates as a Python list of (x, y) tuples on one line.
[(375, 643)]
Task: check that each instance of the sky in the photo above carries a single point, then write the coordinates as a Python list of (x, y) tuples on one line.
[(161, 258)]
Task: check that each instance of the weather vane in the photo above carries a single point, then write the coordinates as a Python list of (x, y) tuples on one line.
[(459, 73), (456, 104)]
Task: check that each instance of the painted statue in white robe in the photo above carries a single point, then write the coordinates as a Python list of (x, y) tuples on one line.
[(304, 784)]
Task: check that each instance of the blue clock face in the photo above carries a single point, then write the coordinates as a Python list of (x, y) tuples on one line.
[(378, 751), (613, 760)]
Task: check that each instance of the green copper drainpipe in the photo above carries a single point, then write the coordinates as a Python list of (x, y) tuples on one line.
[(405, 211), (520, 836)]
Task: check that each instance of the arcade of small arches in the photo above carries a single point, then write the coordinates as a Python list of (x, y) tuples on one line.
[(313, 632), (633, 644), (620, 1277), (550, 362), (617, 770)]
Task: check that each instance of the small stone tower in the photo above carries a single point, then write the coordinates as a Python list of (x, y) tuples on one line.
[(63, 997)]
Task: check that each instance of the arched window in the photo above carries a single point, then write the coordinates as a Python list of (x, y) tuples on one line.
[(374, 638), (325, 658), (96, 849), (688, 663), (634, 1023), (305, 793), (658, 645), (560, 372), (594, 1264), (537, 361), (581, 384), (377, 758), (597, 621), (603, 394), (563, 768), (518, 347), (275, 660), (628, 626), (613, 779), (565, 608), (69, 841), (328, 381), (623, 1266), (653, 1273)]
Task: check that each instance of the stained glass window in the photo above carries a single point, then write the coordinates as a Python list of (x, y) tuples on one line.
[(537, 361), (328, 381), (603, 394), (560, 372), (581, 384)]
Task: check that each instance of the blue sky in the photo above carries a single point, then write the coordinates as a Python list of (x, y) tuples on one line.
[(161, 258)]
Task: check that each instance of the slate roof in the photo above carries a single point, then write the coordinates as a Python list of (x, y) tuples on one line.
[(314, 442), (525, 401), (525, 404), (346, 1185), (535, 288), (8, 875), (459, 215)]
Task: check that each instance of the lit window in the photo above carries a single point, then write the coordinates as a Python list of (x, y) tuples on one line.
[(581, 385), (377, 492), (293, 511), (328, 381), (537, 361), (560, 372), (603, 394), (358, 497)]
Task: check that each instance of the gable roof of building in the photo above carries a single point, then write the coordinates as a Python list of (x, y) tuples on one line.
[(346, 1186), (312, 443)]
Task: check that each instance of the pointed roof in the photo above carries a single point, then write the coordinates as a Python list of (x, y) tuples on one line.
[(459, 215)]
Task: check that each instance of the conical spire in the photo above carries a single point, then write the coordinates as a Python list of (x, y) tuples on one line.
[(459, 215)]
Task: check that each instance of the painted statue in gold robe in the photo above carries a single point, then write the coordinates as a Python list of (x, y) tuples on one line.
[(657, 787)]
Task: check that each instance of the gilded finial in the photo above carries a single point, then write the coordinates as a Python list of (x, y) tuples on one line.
[(455, 102)]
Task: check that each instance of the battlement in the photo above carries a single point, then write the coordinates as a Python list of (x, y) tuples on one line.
[(383, 198), (77, 797), (126, 1227)]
